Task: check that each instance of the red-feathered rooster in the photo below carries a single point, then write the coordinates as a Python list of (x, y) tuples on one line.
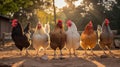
[(88, 38), (73, 37), (20, 39), (58, 38), (106, 36)]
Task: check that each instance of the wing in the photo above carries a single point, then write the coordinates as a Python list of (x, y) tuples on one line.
[(21, 41)]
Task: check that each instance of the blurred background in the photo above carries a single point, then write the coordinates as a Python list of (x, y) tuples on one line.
[(79, 11)]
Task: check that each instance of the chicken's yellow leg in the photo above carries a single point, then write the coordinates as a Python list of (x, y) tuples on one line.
[(37, 52), (55, 54), (27, 52), (74, 52), (44, 51), (85, 54), (110, 51), (70, 52)]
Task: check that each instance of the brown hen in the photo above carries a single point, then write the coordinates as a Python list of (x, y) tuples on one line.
[(88, 38), (58, 38)]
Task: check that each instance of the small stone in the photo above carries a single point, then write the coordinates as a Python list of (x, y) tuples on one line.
[(103, 56), (44, 57)]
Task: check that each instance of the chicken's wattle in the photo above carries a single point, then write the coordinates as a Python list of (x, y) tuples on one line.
[(39, 26)]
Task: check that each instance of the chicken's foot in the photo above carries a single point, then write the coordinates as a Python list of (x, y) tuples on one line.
[(110, 52), (75, 52), (61, 55), (85, 53), (70, 53)]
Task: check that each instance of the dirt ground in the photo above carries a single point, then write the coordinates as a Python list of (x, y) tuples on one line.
[(10, 57)]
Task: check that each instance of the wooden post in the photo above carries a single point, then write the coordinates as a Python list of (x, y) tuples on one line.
[(3, 38), (54, 11)]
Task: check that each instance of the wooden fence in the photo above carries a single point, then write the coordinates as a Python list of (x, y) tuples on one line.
[(6, 37)]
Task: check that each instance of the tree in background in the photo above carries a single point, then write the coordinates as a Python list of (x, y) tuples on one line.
[(23, 9), (43, 16), (95, 10)]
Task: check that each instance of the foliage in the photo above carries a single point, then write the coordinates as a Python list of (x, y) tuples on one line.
[(23, 10), (44, 17), (95, 10), (8, 7)]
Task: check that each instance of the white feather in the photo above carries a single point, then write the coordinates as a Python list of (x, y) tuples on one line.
[(99, 30), (73, 37), (47, 28), (40, 39)]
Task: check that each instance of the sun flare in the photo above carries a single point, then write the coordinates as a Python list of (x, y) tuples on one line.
[(77, 3), (62, 3)]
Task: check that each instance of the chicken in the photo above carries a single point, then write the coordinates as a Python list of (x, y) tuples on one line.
[(40, 39), (106, 36), (73, 37), (58, 38), (88, 38), (20, 39)]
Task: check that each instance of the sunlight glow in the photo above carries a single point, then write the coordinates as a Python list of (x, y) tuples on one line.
[(60, 3), (98, 63), (77, 3)]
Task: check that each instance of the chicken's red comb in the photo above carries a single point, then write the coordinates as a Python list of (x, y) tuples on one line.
[(69, 21), (59, 21)]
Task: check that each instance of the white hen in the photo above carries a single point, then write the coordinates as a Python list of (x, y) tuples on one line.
[(40, 39), (73, 37)]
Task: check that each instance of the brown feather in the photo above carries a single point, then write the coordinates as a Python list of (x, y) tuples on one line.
[(57, 38), (88, 38)]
